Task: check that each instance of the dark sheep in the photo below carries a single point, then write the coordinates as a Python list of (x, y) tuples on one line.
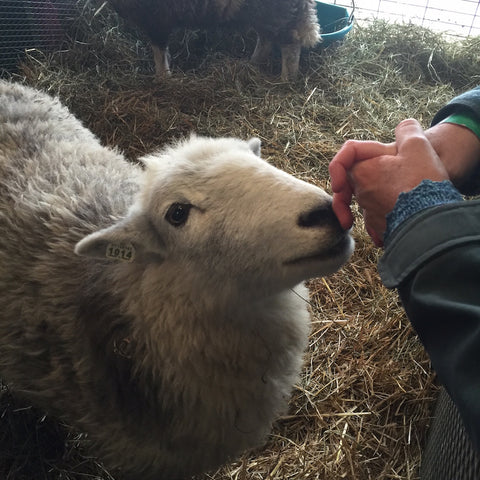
[(290, 24)]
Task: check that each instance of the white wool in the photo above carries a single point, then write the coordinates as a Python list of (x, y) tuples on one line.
[(172, 335)]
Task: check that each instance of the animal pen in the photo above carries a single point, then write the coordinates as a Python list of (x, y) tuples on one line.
[(363, 406)]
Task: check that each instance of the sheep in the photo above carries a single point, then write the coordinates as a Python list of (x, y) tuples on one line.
[(291, 24), (157, 307)]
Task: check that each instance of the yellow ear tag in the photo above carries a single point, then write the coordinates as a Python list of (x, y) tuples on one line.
[(125, 253)]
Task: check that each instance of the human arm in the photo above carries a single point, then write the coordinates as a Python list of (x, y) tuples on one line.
[(378, 173), (455, 136), (457, 145), (433, 259), (432, 256)]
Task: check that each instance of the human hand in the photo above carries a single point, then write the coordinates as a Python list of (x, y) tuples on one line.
[(459, 150), (377, 173), (352, 151)]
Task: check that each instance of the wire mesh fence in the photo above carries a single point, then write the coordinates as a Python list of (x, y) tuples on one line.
[(32, 24), (41, 24), (460, 18)]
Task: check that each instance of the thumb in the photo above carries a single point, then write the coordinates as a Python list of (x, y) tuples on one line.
[(409, 136)]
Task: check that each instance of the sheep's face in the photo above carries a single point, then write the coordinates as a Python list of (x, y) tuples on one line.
[(213, 208)]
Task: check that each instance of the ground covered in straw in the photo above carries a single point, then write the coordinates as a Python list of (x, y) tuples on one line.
[(362, 407)]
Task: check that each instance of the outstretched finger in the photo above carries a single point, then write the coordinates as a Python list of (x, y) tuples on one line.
[(341, 207), (351, 152), (377, 240)]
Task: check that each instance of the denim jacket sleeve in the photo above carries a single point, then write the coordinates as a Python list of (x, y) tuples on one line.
[(433, 259)]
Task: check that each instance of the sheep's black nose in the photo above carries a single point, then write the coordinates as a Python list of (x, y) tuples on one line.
[(318, 217)]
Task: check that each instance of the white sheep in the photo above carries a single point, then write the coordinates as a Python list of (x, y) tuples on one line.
[(290, 24), (153, 309)]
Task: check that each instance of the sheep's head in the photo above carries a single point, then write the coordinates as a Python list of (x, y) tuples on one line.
[(213, 207)]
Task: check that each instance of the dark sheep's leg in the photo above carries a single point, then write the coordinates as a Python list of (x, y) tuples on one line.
[(162, 61), (290, 61), (262, 51)]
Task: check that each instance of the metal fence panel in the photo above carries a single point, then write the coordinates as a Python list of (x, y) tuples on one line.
[(459, 18)]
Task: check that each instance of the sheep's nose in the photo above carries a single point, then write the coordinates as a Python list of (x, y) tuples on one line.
[(318, 217)]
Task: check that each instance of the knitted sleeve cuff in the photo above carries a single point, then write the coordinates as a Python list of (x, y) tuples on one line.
[(425, 195)]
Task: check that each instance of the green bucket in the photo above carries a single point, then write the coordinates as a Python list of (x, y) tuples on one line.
[(335, 22)]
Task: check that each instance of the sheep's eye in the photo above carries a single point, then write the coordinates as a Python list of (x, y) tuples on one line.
[(177, 213)]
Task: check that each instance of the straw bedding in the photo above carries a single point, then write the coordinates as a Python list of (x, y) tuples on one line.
[(362, 407)]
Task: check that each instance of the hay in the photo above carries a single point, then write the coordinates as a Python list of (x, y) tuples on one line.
[(363, 405)]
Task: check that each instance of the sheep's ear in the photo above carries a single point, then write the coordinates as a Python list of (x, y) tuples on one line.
[(133, 239), (255, 145)]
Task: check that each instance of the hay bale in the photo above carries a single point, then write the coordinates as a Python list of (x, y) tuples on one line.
[(363, 405)]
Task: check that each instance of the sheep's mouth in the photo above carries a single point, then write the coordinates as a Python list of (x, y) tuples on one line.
[(337, 249)]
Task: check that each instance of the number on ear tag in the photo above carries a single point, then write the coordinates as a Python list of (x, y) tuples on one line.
[(125, 253)]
